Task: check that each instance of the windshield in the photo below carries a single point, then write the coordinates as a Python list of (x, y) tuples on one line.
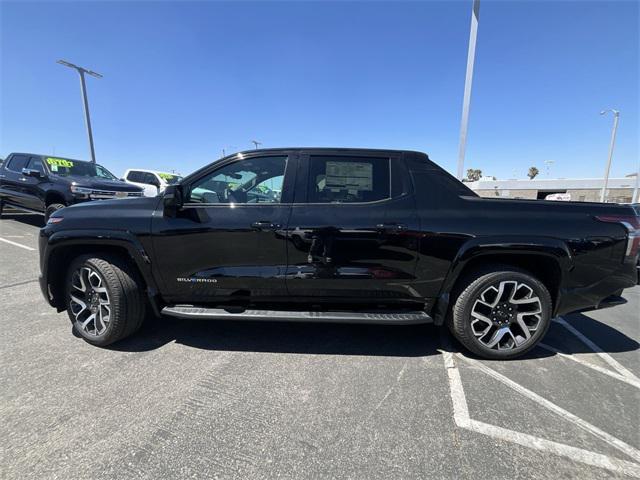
[(65, 167), (170, 178)]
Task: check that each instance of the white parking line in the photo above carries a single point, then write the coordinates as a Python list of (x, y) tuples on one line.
[(605, 356), (610, 439), (16, 244), (463, 420), (576, 358)]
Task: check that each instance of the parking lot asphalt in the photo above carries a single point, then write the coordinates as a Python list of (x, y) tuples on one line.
[(197, 399)]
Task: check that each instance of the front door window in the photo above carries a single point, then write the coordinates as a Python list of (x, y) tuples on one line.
[(254, 180)]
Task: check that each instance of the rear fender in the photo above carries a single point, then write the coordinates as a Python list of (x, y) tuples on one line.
[(504, 250)]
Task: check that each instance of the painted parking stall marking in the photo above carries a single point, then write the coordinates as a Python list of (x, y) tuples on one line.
[(463, 419), (630, 381), (16, 244), (602, 354)]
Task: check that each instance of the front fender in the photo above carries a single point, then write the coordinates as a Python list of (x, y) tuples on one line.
[(52, 243), (500, 249)]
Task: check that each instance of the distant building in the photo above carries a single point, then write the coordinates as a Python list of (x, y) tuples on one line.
[(619, 190)]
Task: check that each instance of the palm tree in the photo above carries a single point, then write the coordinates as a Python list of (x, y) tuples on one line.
[(473, 175), (533, 173)]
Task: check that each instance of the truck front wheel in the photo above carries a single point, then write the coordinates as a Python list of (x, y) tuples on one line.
[(501, 314), (54, 207), (105, 302)]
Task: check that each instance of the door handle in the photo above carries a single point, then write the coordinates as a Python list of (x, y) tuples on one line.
[(391, 227), (264, 225)]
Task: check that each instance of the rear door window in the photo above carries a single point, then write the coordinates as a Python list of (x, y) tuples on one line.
[(17, 163), (345, 179), (135, 176)]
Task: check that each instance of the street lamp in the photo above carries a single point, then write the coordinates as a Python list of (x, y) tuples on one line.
[(256, 143), (466, 100), (224, 149), (616, 116), (81, 71)]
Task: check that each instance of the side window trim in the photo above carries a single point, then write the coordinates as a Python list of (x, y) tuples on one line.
[(288, 185)]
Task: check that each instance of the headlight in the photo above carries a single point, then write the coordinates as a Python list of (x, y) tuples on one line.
[(81, 190)]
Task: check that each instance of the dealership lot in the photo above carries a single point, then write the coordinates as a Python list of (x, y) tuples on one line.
[(196, 399)]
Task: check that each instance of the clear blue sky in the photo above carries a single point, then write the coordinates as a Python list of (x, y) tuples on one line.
[(183, 80)]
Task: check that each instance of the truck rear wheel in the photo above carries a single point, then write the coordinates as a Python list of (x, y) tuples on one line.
[(501, 314), (104, 295)]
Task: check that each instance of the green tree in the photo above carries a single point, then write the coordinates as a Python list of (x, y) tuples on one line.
[(473, 174), (533, 173)]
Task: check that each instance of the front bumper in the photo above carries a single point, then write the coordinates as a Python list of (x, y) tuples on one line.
[(95, 194), (43, 251), (44, 288)]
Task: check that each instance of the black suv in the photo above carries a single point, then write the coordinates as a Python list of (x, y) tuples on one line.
[(337, 235), (44, 184)]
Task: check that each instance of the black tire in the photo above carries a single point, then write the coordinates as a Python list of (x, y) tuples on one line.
[(124, 292), (482, 282), (54, 207)]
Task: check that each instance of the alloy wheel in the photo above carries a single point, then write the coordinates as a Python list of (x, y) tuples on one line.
[(89, 302), (506, 315)]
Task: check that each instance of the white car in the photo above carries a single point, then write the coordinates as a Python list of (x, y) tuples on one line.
[(152, 181)]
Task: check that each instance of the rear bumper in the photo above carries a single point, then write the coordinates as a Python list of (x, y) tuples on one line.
[(603, 294), (610, 301)]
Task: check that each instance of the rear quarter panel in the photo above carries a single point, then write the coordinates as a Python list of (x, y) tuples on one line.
[(455, 229)]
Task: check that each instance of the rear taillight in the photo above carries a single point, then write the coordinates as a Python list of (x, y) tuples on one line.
[(632, 224)]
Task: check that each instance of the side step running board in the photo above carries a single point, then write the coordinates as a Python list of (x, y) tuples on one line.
[(398, 318)]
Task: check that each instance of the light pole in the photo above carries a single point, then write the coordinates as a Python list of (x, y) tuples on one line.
[(224, 149), (616, 116), (256, 143), (466, 101), (81, 71)]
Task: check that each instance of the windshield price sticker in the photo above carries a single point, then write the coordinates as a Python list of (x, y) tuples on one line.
[(165, 176), (59, 162), (350, 176)]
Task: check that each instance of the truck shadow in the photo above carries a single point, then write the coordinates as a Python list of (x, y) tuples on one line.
[(338, 339), (285, 337), (32, 219)]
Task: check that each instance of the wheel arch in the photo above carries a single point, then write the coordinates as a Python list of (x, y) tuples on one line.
[(62, 247), (549, 260), (53, 196)]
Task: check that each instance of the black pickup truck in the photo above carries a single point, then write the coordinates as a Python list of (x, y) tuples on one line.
[(337, 235), (44, 184)]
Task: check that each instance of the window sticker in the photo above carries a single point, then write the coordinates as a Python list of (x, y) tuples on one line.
[(165, 176), (353, 176), (59, 162), (54, 168)]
